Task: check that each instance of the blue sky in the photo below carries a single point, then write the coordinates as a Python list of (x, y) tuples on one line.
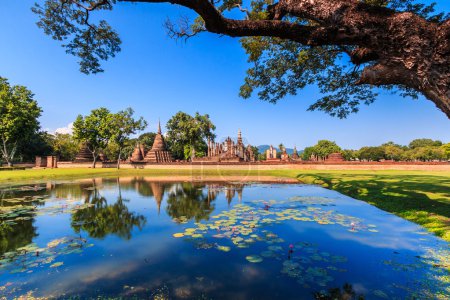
[(157, 77)]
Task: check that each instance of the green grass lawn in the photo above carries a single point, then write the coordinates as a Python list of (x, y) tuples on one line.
[(419, 196)]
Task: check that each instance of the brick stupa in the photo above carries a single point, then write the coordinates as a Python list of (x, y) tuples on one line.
[(158, 153), (138, 153), (335, 157), (84, 155)]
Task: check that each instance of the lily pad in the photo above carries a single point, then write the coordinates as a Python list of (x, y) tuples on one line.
[(254, 258), (223, 248), (56, 264)]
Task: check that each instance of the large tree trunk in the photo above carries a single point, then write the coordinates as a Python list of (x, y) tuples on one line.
[(94, 155), (118, 160), (8, 155)]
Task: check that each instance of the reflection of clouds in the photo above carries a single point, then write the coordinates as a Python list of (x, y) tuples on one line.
[(250, 273), (393, 232), (396, 242), (153, 259), (84, 276), (360, 289)]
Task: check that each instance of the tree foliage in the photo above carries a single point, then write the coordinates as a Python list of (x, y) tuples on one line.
[(65, 146), (323, 149), (19, 114), (371, 153), (186, 132), (94, 131), (122, 125), (345, 47), (417, 143), (147, 139), (417, 150), (38, 144), (91, 42)]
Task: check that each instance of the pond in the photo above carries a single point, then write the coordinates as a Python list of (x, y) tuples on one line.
[(127, 237)]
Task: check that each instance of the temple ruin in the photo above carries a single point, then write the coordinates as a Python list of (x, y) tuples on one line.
[(294, 155), (84, 155), (271, 154), (138, 153), (229, 151), (159, 152)]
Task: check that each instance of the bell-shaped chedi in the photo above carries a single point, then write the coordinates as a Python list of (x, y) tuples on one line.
[(158, 153), (158, 193), (294, 155), (138, 153)]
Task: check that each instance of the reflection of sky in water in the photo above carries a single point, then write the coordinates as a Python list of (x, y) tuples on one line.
[(127, 260)]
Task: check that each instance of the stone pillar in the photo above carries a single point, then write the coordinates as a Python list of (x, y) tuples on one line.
[(40, 162), (52, 161)]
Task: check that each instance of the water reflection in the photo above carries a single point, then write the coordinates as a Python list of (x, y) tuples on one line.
[(16, 235), (108, 213), (117, 237), (102, 218), (190, 202), (345, 293), (17, 232)]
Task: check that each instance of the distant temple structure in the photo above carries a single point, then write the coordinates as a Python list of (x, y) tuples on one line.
[(84, 155), (335, 157), (159, 152), (294, 155), (138, 153), (271, 153), (229, 151), (284, 155)]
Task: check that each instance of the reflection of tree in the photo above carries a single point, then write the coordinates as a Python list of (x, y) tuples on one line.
[(17, 235), (345, 293), (103, 219), (143, 188), (21, 232), (189, 201)]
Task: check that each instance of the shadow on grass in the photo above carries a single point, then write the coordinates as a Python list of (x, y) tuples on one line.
[(423, 199)]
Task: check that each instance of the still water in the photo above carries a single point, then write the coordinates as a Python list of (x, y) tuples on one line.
[(130, 237)]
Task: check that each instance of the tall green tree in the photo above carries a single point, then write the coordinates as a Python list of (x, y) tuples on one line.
[(446, 148), (65, 146), (186, 132), (347, 47), (307, 153), (417, 143), (122, 125), (94, 131), (393, 151), (349, 154), (147, 139), (19, 114), (38, 144), (371, 153), (323, 148)]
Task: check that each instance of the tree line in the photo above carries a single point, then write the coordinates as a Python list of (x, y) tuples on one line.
[(115, 136), (417, 150), (103, 132)]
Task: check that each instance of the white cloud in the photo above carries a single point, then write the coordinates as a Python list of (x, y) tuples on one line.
[(65, 130)]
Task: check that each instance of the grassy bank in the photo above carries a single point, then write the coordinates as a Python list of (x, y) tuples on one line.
[(418, 196)]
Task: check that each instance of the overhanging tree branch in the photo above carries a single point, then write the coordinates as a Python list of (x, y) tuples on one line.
[(415, 50)]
